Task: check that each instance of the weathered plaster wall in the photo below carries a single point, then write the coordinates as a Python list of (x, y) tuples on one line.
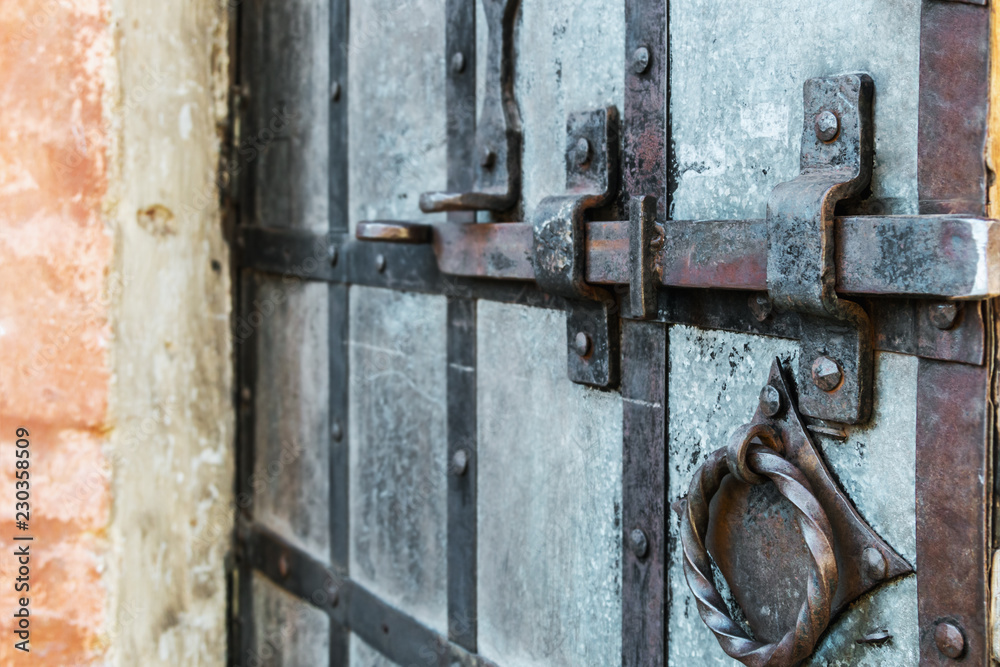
[(171, 417), (54, 319), (114, 346)]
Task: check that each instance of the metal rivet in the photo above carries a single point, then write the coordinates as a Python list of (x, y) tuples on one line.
[(334, 255), (459, 463), (826, 373), (283, 565), (380, 262), (581, 344), (949, 639), (770, 401), (246, 394), (761, 306), (640, 60), (638, 543), (489, 158), (943, 315), (336, 431), (334, 592), (874, 564), (335, 91), (580, 153), (458, 62), (827, 126)]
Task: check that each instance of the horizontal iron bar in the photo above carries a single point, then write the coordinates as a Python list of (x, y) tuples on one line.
[(901, 325), (391, 632), (944, 257)]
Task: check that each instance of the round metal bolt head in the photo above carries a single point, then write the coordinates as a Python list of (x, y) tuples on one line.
[(638, 543), (246, 394), (335, 91), (334, 592), (458, 62), (336, 431), (489, 158), (459, 463), (950, 640), (640, 60), (943, 315), (826, 373), (827, 126), (581, 344), (761, 306), (334, 255), (874, 564), (770, 401), (580, 153), (380, 263)]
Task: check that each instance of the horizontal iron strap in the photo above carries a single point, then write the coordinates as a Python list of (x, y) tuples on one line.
[(942, 257), (391, 632)]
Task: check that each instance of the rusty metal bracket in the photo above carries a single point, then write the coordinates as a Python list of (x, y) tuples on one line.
[(560, 249), (830, 555), (498, 132), (836, 362)]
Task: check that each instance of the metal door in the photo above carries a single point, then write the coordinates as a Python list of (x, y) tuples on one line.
[(577, 332)]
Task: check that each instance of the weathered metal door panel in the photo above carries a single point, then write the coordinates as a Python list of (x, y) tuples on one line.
[(478, 391)]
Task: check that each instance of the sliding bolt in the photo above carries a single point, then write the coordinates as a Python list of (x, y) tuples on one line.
[(581, 344), (770, 401), (640, 60), (458, 62), (826, 373), (638, 543), (827, 126), (950, 640)]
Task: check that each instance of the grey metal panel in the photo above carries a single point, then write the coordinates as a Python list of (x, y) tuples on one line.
[(570, 58), (396, 116), (284, 138), (363, 655), (398, 450), (549, 498), (737, 70), (714, 383), (290, 482), (289, 632)]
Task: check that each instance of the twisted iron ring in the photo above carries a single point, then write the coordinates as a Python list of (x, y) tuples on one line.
[(752, 463)]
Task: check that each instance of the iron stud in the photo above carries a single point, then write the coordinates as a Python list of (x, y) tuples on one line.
[(335, 91), (246, 394), (333, 255), (489, 158), (458, 62), (283, 565), (581, 344), (459, 463), (770, 401), (640, 60), (827, 126), (580, 153), (943, 315), (380, 262), (336, 431), (826, 373), (638, 543), (950, 640), (761, 306), (874, 564)]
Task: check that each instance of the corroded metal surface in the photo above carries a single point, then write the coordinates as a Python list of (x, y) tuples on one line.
[(751, 526), (498, 131), (801, 270), (392, 231)]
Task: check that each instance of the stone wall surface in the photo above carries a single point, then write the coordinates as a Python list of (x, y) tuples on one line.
[(114, 345)]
